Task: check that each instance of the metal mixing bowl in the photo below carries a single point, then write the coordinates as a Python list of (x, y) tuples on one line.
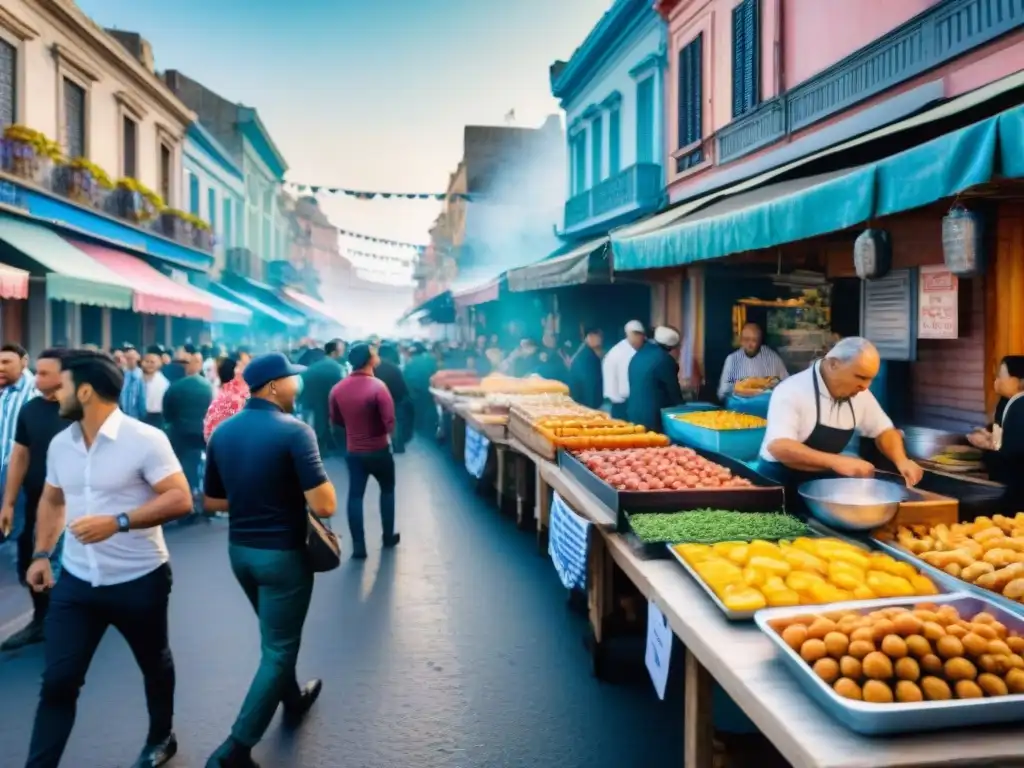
[(853, 504)]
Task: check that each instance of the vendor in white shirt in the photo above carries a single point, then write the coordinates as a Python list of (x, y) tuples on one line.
[(814, 414), (155, 385), (615, 367)]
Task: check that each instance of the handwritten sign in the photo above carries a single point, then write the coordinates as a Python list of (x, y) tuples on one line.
[(659, 648), (937, 306)]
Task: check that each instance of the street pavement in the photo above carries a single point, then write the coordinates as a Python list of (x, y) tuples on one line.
[(455, 650)]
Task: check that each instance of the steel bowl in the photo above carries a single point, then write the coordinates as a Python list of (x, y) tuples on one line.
[(853, 504), (924, 442)]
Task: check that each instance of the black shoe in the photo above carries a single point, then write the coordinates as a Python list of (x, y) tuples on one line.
[(294, 711), (392, 540), (154, 755), (28, 635), (359, 553), (231, 754)]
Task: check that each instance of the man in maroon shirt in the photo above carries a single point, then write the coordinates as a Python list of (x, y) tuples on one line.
[(362, 406)]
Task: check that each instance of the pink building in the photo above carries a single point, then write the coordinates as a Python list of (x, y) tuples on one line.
[(753, 84)]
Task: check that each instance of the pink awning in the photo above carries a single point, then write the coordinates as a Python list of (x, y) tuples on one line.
[(153, 293), (13, 283)]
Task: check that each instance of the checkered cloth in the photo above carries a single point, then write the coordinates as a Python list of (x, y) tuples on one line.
[(476, 452), (568, 542)]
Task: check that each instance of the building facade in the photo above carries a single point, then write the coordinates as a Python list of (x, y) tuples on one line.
[(214, 188), (612, 92)]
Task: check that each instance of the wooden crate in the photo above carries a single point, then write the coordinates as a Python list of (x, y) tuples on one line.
[(932, 509), (523, 431)]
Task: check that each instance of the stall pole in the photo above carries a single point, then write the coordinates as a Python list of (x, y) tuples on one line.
[(600, 596), (542, 509), (499, 482), (698, 716), (522, 470)]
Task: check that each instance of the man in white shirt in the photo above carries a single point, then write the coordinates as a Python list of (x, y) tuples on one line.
[(155, 384), (753, 359), (814, 414), (615, 367), (114, 481)]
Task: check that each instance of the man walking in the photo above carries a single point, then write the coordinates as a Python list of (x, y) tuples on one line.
[(38, 422), (263, 464), (155, 385), (389, 371), (362, 406), (318, 381), (115, 481), (184, 407), (133, 394)]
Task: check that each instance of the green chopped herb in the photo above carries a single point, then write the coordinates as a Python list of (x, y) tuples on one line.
[(709, 526)]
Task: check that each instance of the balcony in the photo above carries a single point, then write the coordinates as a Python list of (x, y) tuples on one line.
[(637, 188), (948, 29)]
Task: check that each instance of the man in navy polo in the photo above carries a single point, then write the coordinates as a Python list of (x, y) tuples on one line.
[(264, 464)]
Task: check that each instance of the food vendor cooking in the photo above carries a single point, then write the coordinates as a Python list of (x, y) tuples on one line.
[(814, 414), (753, 360)]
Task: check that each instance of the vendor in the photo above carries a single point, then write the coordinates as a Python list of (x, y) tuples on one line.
[(753, 359), (1003, 442), (615, 367), (814, 414), (654, 379)]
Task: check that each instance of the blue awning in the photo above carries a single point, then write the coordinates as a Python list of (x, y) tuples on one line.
[(802, 208), (225, 312), (257, 306)]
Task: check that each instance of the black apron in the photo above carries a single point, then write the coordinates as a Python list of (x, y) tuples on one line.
[(822, 438)]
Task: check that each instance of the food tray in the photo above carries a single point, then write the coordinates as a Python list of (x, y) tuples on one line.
[(877, 719), (955, 584), (742, 444), (656, 549), (524, 432), (763, 496)]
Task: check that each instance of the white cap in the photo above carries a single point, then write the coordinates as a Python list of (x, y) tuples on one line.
[(635, 326), (666, 336)]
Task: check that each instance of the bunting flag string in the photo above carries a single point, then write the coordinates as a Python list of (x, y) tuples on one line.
[(360, 194), (382, 240), (404, 260)]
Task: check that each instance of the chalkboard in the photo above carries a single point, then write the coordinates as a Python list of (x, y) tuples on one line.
[(888, 314)]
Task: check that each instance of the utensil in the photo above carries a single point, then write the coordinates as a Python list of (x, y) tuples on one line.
[(853, 504)]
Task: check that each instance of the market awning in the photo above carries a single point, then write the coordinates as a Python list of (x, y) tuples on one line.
[(576, 266), (225, 312), (70, 274), (478, 293), (153, 292), (258, 308), (309, 304), (437, 309), (13, 283)]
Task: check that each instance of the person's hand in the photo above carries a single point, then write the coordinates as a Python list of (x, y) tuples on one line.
[(911, 472), (851, 466), (6, 519), (39, 576), (92, 529), (982, 439)]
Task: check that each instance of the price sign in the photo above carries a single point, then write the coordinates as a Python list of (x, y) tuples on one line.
[(659, 648), (938, 304)]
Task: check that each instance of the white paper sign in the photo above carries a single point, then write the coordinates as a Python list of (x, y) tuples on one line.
[(659, 648), (937, 304)]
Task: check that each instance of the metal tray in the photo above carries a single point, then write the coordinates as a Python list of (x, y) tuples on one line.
[(878, 719), (763, 497), (955, 584)]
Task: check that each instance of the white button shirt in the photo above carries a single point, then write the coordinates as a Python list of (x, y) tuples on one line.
[(615, 371), (156, 388), (116, 475), (792, 415)]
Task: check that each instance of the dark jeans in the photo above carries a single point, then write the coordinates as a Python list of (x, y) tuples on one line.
[(379, 465), (78, 618), (619, 411), (26, 548), (279, 585)]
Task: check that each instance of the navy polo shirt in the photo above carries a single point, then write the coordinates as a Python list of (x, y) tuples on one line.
[(262, 461)]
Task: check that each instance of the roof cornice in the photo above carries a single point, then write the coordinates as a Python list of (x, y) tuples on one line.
[(214, 148)]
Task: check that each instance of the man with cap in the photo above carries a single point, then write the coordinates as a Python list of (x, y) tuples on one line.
[(585, 376), (264, 465), (317, 383), (615, 367), (654, 379), (362, 406)]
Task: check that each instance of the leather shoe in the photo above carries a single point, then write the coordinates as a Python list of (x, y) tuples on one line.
[(29, 635), (308, 694), (231, 754), (392, 540), (154, 755)]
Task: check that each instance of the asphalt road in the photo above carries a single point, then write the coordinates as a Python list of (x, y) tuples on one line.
[(455, 650)]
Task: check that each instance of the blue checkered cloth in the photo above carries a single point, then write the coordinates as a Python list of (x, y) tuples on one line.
[(476, 452), (568, 543)]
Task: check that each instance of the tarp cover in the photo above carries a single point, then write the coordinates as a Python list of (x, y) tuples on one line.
[(561, 269)]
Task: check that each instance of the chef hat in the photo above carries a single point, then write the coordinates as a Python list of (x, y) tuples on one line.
[(667, 337)]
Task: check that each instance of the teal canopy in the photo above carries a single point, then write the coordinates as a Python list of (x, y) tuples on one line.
[(801, 208)]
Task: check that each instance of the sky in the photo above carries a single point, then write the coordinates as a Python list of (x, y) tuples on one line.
[(365, 94)]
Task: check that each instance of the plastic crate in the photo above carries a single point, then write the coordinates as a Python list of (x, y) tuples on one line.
[(741, 444), (755, 406)]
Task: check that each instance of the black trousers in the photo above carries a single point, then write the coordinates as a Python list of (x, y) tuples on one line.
[(27, 548), (79, 616)]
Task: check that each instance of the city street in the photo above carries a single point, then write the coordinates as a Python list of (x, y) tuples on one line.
[(455, 650)]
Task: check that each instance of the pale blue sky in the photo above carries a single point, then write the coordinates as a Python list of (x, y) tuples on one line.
[(368, 94)]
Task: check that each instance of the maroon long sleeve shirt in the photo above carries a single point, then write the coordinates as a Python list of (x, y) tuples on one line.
[(362, 406)]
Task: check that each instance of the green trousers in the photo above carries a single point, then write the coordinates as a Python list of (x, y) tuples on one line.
[(279, 584)]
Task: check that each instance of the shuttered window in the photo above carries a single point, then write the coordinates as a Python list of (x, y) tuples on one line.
[(744, 57), (596, 140), (227, 231), (888, 315), (130, 147), (165, 173), (8, 84), (614, 140), (193, 194), (579, 162), (645, 120), (690, 90), (211, 208), (74, 119)]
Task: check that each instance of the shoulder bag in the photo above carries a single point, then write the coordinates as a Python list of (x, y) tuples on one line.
[(322, 544)]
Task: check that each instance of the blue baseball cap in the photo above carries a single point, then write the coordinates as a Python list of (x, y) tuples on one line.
[(269, 367)]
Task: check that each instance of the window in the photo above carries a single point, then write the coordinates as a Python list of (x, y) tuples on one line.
[(227, 234), (74, 119), (193, 194), (614, 139), (596, 138), (690, 121), (744, 57), (645, 120), (8, 84), (165, 173), (579, 163), (211, 208), (129, 148), (239, 224)]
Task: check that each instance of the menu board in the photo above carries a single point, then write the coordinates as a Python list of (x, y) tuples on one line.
[(937, 304)]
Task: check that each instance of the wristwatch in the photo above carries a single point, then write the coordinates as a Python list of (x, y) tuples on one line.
[(42, 555), (123, 523)]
